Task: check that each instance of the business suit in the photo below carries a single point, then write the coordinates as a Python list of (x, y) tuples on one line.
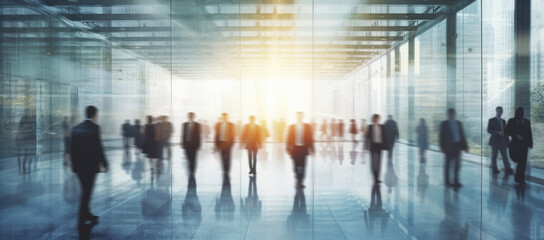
[(224, 140), (87, 156), (522, 139), (251, 136), (452, 148), (375, 142), (300, 143), (498, 142), (126, 129), (190, 141), (391, 134)]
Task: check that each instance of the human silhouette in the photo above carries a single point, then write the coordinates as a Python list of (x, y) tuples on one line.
[(324, 127), (519, 128), (264, 131), (251, 138), (498, 141), (251, 206), (150, 145), (126, 133), (137, 134), (299, 219), (88, 159), (451, 227), (165, 130), (333, 130), (391, 135), (300, 143), (376, 217), (224, 140), (340, 130), (452, 141), (66, 133), (190, 141), (363, 130), (422, 139), (26, 141), (191, 209), (224, 204), (353, 130), (375, 144)]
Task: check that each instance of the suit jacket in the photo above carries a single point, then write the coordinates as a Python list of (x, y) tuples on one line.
[(127, 130), (230, 135), (372, 146), (87, 153), (391, 132), (251, 141), (193, 141), (493, 128), (519, 148), (446, 137), (308, 139), (163, 131)]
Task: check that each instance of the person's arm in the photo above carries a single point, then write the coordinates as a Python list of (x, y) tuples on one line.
[(102, 157), (530, 137), (489, 128), (198, 143), (288, 146), (74, 153), (311, 139), (441, 137), (182, 138)]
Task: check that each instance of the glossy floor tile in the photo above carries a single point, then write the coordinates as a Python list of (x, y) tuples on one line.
[(340, 200)]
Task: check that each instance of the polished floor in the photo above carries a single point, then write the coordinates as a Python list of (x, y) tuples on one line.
[(339, 201)]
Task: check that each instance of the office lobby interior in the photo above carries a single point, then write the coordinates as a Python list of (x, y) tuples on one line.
[(334, 63)]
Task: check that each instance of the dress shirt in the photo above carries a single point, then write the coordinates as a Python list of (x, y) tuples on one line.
[(377, 133), (299, 134), (454, 127)]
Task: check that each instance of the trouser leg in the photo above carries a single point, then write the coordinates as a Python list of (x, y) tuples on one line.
[(250, 159), (505, 160), (520, 170), (447, 169), (376, 162), (87, 183), (225, 153), (457, 167), (494, 153)]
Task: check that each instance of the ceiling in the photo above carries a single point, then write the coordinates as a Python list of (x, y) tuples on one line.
[(212, 39)]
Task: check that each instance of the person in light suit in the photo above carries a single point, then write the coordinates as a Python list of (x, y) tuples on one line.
[(300, 144)]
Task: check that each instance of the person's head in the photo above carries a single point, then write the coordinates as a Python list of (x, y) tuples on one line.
[(73, 119), (300, 117), (66, 118), (422, 121), (520, 112), (252, 119), (165, 118), (333, 120), (390, 117), (352, 121), (451, 114), (341, 121), (325, 120), (149, 119), (376, 118), (191, 116), (499, 111), (225, 117), (137, 121), (127, 121), (91, 112)]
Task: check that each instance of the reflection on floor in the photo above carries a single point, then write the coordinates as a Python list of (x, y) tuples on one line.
[(339, 201)]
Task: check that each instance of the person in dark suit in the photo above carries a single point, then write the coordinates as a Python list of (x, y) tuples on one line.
[(300, 143), (251, 137), (190, 141), (126, 132), (452, 140), (375, 143), (88, 159), (498, 141), (224, 140), (137, 134), (519, 128), (391, 135)]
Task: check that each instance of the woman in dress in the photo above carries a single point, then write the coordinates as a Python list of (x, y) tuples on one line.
[(422, 139)]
